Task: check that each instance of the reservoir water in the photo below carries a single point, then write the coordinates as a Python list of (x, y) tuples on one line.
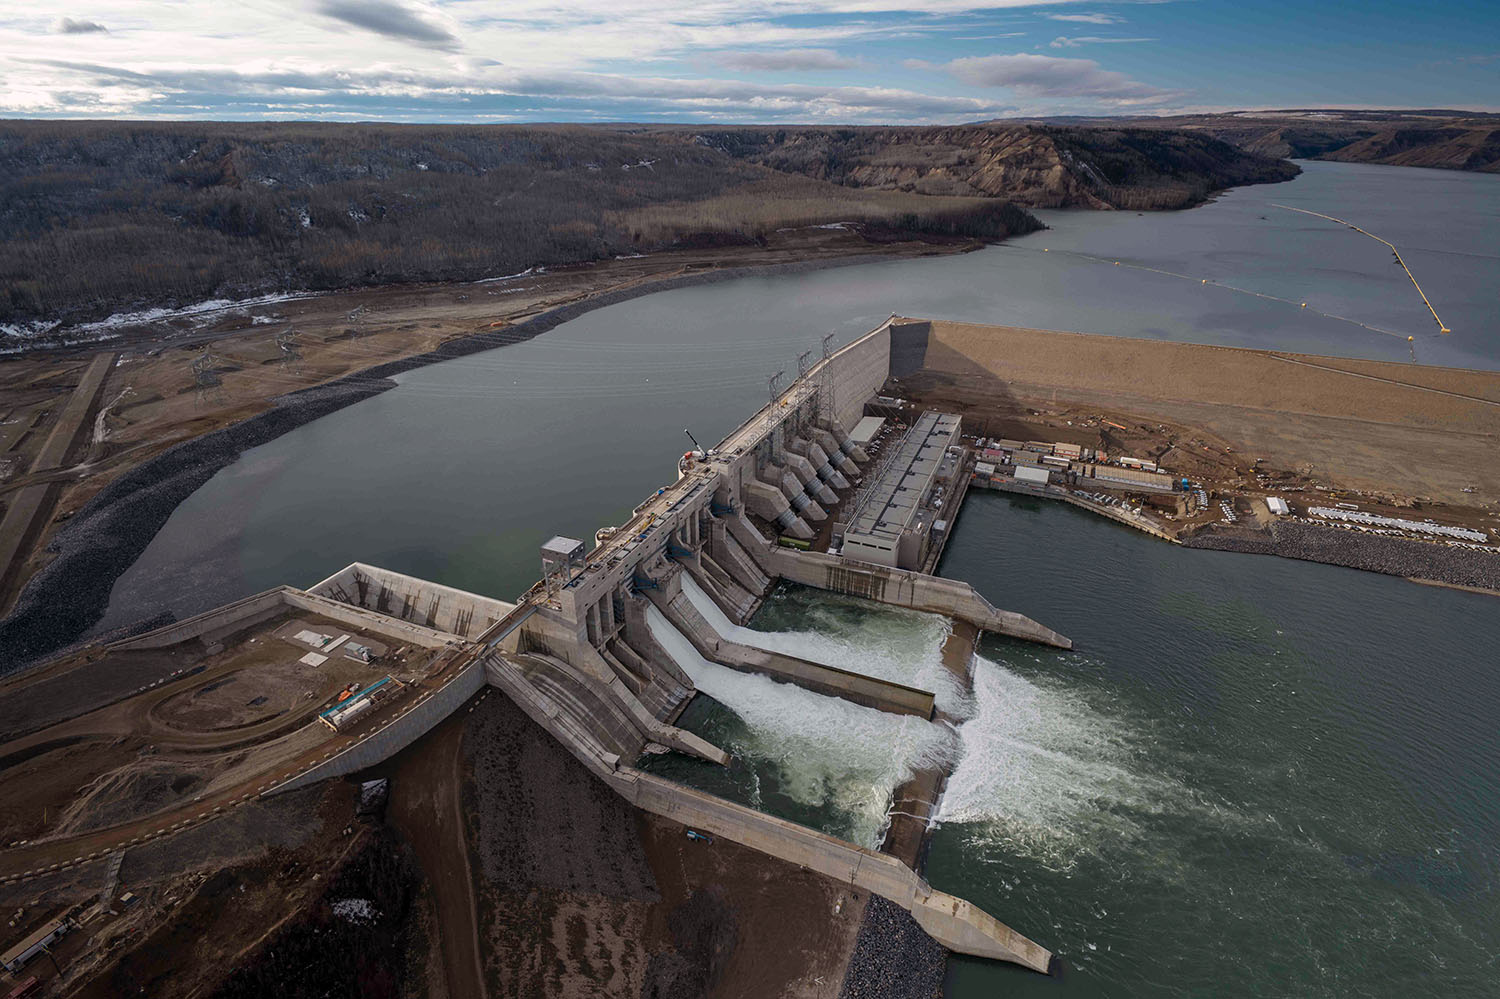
[(1255, 777)]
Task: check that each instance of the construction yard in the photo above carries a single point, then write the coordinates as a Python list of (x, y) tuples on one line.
[(1416, 444), (111, 741)]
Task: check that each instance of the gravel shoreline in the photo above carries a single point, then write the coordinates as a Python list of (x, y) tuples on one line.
[(1422, 560), (94, 548), (893, 957)]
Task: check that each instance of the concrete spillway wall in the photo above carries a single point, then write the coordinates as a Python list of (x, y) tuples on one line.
[(419, 601), (213, 626), (396, 734), (872, 692), (952, 922), (904, 588)]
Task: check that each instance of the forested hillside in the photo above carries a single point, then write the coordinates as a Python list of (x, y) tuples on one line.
[(101, 217)]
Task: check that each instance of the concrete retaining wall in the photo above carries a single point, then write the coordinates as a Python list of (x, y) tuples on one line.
[(369, 621), (903, 588), (858, 372), (950, 921), (397, 734), (211, 626), (419, 601), (956, 924), (872, 692)]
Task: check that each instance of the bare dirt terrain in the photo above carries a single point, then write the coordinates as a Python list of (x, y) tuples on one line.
[(1405, 441), (207, 897), (114, 747), (579, 895), (1414, 434)]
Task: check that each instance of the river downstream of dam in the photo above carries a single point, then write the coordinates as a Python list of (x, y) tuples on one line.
[(1255, 777)]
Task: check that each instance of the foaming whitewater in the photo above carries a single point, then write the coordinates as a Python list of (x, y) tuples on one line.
[(886, 642), (1046, 775), (827, 751)]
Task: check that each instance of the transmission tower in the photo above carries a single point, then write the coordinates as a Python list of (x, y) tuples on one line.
[(773, 386), (826, 411)]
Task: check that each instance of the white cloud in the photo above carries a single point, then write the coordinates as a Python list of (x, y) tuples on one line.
[(68, 26), (1052, 76), (1061, 42), (391, 19), (1088, 18), (783, 60), (463, 59)]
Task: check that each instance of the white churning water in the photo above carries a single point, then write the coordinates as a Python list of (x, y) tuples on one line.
[(826, 750), (886, 642), (1045, 774)]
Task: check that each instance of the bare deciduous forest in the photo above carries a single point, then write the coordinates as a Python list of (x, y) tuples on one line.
[(101, 217)]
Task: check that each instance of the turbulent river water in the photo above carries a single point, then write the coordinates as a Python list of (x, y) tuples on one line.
[(1254, 777)]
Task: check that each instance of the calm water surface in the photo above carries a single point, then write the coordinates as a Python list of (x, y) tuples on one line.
[(1255, 777), (459, 474)]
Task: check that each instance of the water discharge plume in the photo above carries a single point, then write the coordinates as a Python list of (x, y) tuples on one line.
[(847, 633), (825, 751), (1044, 773)]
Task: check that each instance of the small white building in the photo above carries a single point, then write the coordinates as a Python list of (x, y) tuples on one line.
[(1277, 506)]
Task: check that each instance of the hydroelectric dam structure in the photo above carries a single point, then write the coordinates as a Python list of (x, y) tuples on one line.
[(587, 652)]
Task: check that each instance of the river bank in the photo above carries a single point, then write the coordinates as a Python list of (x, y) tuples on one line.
[(113, 525), (1420, 561)]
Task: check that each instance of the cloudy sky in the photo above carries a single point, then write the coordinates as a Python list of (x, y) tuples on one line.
[(736, 60)]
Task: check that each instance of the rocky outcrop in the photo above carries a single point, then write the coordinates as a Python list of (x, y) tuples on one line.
[(1034, 165)]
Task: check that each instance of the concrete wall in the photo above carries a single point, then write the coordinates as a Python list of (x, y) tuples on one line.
[(212, 626), (950, 921), (396, 734), (908, 346), (904, 588), (859, 370), (872, 692), (419, 601), (369, 621)]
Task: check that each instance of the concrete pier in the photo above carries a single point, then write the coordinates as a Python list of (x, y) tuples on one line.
[(869, 691), (912, 590)]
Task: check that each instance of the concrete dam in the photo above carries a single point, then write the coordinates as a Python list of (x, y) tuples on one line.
[(788, 496)]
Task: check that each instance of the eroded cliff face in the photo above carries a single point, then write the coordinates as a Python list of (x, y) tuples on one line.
[(1457, 147), (1038, 166), (1444, 140)]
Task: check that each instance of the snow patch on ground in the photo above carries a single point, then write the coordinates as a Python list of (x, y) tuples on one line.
[(16, 337), (356, 910), (511, 277)]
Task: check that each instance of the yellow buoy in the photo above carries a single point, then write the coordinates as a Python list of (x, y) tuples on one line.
[(1205, 280), (1046, 250), (1117, 263), (1304, 305), (1410, 338)]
